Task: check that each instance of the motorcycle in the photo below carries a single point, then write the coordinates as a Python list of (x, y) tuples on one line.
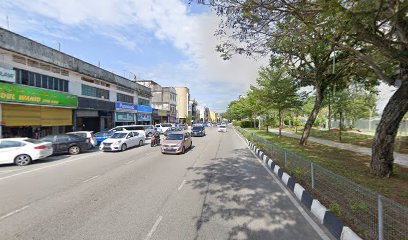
[(155, 141)]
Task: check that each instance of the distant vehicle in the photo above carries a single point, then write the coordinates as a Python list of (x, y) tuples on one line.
[(120, 141), (171, 129), (222, 128), (198, 131), (67, 143), (22, 151), (182, 127), (162, 127), (86, 134), (149, 129), (138, 128), (177, 142), (100, 136)]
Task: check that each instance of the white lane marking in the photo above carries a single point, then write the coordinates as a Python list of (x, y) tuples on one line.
[(90, 179), (13, 212), (49, 166), (181, 185), (314, 225), (154, 228)]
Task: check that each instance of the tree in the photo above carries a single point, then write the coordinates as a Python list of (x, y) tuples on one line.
[(279, 91)]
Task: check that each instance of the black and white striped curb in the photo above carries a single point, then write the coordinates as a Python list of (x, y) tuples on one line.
[(325, 217)]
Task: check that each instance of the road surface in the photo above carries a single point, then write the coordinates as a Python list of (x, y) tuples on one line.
[(216, 190)]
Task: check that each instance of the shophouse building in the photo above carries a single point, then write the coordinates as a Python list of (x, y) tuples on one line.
[(44, 91)]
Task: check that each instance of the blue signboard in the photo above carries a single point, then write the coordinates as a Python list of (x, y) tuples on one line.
[(144, 109), (121, 106), (144, 117)]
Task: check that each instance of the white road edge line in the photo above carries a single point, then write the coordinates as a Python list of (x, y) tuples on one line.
[(13, 212), (90, 179), (314, 225), (49, 166), (181, 185), (154, 228)]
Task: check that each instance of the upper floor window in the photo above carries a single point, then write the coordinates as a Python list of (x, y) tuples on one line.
[(94, 92), (42, 81), (143, 102), (124, 98)]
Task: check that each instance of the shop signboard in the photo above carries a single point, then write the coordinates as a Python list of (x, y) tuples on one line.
[(144, 109), (29, 95), (7, 75), (162, 113), (124, 117), (121, 106), (155, 112), (144, 117)]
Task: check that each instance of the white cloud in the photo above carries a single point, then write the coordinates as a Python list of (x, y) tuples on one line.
[(167, 20)]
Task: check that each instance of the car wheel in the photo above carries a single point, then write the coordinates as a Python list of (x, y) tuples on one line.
[(191, 145), (22, 160), (123, 147), (140, 143), (74, 150), (183, 150)]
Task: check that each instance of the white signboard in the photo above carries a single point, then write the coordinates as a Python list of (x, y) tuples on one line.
[(7, 75)]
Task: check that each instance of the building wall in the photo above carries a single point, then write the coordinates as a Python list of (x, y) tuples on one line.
[(183, 98)]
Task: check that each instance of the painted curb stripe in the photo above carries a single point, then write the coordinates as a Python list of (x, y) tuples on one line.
[(299, 191), (276, 169), (318, 210), (270, 163), (348, 234), (285, 178), (334, 225), (307, 199), (291, 184)]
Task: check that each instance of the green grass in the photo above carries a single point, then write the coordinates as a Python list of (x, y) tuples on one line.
[(351, 165), (401, 142)]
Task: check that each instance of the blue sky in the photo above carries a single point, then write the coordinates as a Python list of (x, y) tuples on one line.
[(167, 41)]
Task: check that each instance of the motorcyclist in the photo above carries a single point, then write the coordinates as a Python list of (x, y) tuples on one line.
[(155, 138)]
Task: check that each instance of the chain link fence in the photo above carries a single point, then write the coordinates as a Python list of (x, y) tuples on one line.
[(369, 214)]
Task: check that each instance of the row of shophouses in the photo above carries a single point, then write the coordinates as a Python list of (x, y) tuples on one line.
[(44, 91)]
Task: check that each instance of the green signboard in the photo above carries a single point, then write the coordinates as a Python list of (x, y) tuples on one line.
[(30, 95)]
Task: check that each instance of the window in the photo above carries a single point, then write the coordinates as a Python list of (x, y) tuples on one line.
[(24, 77), (38, 80), (94, 92), (143, 102), (42, 81), (124, 98), (50, 83), (10, 144), (31, 80)]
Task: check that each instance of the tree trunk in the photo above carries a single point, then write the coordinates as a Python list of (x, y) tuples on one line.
[(383, 147), (280, 122), (312, 117), (330, 115), (341, 124)]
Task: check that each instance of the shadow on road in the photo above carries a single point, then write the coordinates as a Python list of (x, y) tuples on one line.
[(240, 193)]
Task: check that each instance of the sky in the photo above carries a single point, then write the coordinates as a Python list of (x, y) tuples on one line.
[(167, 41)]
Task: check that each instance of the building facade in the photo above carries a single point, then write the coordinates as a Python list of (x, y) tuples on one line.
[(164, 102), (183, 99), (44, 91)]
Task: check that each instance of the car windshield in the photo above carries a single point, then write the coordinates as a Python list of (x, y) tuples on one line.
[(99, 134), (175, 137), (118, 135), (223, 126), (197, 128), (166, 125), (35, 141)]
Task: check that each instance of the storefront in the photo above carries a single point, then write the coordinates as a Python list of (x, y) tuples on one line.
[(144, 115), (160, 116), (93, 115), (125, 114), (33, 112), (172, 118)]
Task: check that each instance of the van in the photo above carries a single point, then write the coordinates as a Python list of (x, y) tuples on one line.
[(162, 127)]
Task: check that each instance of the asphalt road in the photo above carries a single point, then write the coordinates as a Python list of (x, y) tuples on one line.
[(216, 190)]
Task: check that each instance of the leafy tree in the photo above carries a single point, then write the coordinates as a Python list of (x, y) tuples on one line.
[(279, 91)]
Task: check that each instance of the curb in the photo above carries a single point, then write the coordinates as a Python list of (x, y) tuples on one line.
[(325, 217)]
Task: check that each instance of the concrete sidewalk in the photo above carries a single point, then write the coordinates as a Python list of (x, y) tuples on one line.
[(401, 159)]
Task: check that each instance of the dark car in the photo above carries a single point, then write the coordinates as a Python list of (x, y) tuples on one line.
[(198, 131), (67, 143)]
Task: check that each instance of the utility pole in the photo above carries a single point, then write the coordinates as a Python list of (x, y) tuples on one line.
[(8, 24)]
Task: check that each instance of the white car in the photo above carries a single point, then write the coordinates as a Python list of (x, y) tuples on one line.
[(21, 151), (120, 141), (222, 128), (162, 127), (126, 128), (86, 134)]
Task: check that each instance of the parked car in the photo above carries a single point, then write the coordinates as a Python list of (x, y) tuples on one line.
[(198, 131), (177, 142), (149, 129), (162, 127), (138, 128), (222, 128), (120, 141), (67, 143), (22, 151), (86, 134), (100, 136)]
